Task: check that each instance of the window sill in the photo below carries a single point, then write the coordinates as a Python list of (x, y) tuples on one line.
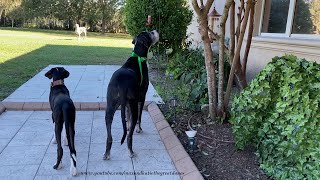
[(288, 45), (287, 41)]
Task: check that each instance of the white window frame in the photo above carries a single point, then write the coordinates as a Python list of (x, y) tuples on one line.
[(289, 25)]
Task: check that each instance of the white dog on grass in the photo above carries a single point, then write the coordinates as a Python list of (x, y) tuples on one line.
[(81, 30)]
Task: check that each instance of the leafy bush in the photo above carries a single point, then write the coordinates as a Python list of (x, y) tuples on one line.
[(188, 66), (171, 18), (279, 114)]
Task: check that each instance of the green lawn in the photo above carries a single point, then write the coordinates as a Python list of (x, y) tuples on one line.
[(24, 52)]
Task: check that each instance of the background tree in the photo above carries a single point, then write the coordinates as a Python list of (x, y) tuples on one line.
[(7, 7), (91, 14), (315, 14), (171, 18), (302, 19), (61, 14), (108, 9)]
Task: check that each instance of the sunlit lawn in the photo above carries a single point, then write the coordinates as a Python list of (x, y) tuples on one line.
[(24, 52)]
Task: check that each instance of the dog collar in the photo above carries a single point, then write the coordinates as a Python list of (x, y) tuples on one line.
[(57, 82), (140, 59)]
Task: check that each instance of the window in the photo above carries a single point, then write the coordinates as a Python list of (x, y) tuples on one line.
[(291, 18)]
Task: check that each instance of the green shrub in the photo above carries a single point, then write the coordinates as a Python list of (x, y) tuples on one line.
[(279, 114), (188, 67), (171, 18)]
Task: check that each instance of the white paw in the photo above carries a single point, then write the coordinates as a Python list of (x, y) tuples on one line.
[(60, 166), (73, 169), (65, 142), (132, 155), (54, 141)]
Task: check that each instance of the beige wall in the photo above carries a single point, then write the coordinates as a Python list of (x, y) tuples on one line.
[(263, 49)]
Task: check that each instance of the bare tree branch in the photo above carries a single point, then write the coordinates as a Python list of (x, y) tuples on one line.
[(196, 7), (208, 6), (232, 32), (221, 108), (240, 19), (237, 54), (249, 39)]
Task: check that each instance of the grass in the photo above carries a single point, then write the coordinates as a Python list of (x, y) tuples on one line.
[(25, 52)]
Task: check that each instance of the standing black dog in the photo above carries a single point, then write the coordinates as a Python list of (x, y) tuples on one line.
[(128, 87), (63, 111)]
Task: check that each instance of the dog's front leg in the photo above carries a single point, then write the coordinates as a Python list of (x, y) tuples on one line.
[(54, 141)]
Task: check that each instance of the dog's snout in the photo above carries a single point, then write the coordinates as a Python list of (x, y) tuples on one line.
[(155, 36), (155, 31)]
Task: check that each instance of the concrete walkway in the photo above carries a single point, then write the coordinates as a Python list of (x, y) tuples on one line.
[(85, 83), (26, 151)]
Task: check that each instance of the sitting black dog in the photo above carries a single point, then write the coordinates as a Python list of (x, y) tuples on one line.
[(128, 87), (63, 111)]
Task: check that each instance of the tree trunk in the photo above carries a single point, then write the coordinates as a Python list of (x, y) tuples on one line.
[(12, 22), (211, 76), (221, 108), (103, 28), (210, 68), (236, 59), (4, 18)]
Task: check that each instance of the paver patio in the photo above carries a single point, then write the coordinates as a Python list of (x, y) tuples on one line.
[(85, 83), (26, 151)]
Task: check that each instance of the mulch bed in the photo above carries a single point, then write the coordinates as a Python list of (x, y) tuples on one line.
[(215, 155)]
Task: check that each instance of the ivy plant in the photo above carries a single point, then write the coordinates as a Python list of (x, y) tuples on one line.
[(279, 114)]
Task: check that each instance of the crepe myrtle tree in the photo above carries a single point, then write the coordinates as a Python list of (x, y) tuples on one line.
[(218, 101)]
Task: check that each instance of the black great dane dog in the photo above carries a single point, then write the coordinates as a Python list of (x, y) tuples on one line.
[(128, 87), (63, 112)]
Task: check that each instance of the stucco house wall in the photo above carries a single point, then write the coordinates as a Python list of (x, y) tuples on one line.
[(265, 47)]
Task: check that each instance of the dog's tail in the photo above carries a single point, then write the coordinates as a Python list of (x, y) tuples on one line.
[(123, 115)]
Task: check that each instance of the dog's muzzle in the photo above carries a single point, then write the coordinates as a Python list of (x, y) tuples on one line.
[(154, 36)]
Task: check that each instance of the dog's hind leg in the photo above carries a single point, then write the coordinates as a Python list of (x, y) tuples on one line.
[(140, 109), (58, 130), (69, 124), (110, 110), (64, 136), (128, 116), (134, 115)]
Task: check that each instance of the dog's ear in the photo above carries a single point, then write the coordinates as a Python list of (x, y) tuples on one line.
[(134, 41), (65, 73), (49, 74)]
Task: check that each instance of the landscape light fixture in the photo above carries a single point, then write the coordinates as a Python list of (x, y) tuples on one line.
[(191, 139)]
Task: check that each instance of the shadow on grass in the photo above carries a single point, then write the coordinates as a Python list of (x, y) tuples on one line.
[(68, 33), (16, 71)]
